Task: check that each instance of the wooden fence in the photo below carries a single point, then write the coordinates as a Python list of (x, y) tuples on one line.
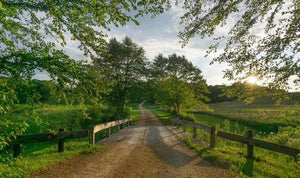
[(248, 139), (210, 129), (108, 126), (251, 142), (62, 135), (33, 138)]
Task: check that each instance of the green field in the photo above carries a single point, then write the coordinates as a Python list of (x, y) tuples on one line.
[(49, 118), (262, 116), (265, 163)]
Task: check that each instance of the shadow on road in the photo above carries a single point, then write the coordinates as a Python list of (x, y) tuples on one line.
[(165, 152)]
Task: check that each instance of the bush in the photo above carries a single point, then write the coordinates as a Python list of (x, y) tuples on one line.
[(187, 117)]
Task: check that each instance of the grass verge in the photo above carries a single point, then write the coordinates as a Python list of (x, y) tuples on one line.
[(37, 156)]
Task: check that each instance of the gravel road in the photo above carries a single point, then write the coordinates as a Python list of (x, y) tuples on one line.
[(147, 149)]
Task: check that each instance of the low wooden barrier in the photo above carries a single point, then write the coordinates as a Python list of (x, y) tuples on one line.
[(62, 135), (210, 129), (43, 137), (251, 142), (108, 125)]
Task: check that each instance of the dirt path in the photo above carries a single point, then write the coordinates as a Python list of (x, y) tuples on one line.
[(147, 149)]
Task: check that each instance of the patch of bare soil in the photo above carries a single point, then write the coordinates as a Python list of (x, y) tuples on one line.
[(147, 149)]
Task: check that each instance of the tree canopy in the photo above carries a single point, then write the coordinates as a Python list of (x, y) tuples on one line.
[(271, 54), (30, 31), (179, 84), (123, 65)]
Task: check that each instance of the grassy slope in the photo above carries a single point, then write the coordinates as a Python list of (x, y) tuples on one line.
[(262, 117), (37, 156), (265, 163)]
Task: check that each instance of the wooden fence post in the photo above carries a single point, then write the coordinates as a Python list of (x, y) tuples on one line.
[(117, 126), (61, 142), (194, 132), (249, 146), (212, 136), (109, 131), (92, 136)]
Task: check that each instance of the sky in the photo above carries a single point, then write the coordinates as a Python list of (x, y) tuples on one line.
[(159, 35)]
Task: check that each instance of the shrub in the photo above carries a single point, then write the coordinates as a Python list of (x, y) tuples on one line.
[(188, 117)]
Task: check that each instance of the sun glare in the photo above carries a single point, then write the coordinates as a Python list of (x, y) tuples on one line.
[(252, 80)]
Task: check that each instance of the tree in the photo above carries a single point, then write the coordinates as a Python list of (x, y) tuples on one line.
[(123, 65), (249, 92), (272, 54), (31, 30), (179, 83), (217, 95)]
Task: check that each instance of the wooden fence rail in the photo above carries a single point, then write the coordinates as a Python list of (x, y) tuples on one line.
[(210, 129), (33, 138), (109, 125), (62, 135), (250, 141)]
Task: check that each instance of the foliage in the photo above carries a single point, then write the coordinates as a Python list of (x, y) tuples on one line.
[(32, 91), (7, 96), (250, 92), (174, 94), (31, 30), (123, 66), (270, 55), (216, 94), (187, 116), (8, 128), (179, 84), (141, 91)]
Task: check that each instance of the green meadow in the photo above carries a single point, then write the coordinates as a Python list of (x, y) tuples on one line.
[(228, 116)]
